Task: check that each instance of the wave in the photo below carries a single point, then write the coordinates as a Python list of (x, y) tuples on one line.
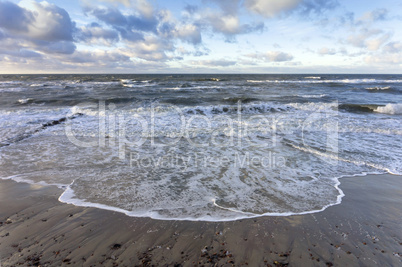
[(24, 100), (134, 83), (208, 80), (342, 81), (357, 108), (313, 77), (392, 109), (379, 88), (313, 96)]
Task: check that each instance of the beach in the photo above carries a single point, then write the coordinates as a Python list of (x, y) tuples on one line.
[(364, 230)]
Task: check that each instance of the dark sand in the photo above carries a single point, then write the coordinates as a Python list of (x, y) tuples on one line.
[(365, 230)]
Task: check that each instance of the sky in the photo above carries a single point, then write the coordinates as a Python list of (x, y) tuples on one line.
[(200, 36)]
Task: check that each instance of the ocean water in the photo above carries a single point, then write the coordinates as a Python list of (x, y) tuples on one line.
[(200, 147)]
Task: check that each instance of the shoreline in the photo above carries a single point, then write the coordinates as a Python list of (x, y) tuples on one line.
[(364, 229)]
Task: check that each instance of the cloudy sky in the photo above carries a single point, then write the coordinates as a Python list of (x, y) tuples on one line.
[(201, 36)]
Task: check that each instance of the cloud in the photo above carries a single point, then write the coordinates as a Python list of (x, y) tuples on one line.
[(22, 53), (46, 22), (229, 25), (152, 49), (229, 7), (98, 57), (129, 26), (51, 23), (124, 2), (326, 51), (95, 34), (370, 39), (375, 15), (170, 28), (393, 47), (214, 63), (143, 6), (316, 7), (13, 18), (271, 56), (271, 8), (189, 33), (44, 27), (384, 59)]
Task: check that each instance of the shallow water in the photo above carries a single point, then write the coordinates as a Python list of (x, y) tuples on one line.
[(200, 147)]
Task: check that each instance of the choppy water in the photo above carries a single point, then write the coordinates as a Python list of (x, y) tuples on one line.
[(200, 147)]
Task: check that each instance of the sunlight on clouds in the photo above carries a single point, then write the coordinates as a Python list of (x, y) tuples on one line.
[(271, 8), (221, 35)]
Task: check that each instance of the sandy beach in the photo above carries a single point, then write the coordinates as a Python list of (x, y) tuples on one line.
[(364, 230)]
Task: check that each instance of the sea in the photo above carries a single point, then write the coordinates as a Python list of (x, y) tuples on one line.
[(200, 147)]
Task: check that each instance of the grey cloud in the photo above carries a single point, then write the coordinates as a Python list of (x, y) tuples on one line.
[(111, 16), (316, 7), (52, 23), (29, 54), (14, 18), (46, 28), (129, 26), (100, 58), (191, 9), (393, 47), (62, 47), (95, 33), (21, 53)]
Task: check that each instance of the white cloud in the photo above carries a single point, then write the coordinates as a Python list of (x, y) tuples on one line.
[(370, 39), (375, 43), (214, 63), (384, 59), (271, 8), (188, 32), (326, 51), (271, 56), (227, 24), (143, 6), (375, 15), (152, 49)]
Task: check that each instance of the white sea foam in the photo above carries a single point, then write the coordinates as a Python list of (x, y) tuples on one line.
[(69, 197), (379, 88), (390, 109), (24, 100), (313, 96)]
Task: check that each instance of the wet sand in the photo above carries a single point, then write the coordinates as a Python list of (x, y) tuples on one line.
[(364, 230)]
